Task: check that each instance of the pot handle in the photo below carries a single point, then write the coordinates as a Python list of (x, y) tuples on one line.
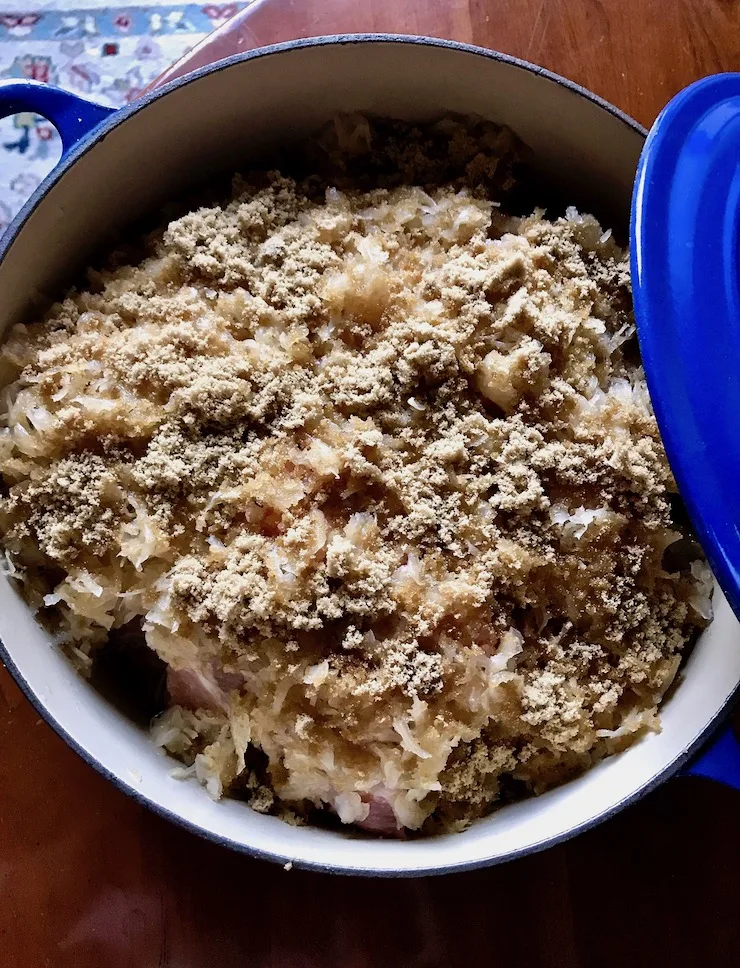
[(72, 116), (720, 761)]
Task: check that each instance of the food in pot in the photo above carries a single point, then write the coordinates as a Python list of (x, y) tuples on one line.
[(369, 462)]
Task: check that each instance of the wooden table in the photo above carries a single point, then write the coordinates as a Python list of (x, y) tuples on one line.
[(89, 879)]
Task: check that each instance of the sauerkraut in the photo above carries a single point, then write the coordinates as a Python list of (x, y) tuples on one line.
[(371, 466)]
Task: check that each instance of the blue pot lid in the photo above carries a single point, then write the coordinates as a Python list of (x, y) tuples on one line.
[(686, 277)]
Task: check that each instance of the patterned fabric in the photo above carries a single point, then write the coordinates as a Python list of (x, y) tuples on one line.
[(108, 54)]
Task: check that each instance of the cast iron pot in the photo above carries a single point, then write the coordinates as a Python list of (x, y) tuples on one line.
[(118, 165)]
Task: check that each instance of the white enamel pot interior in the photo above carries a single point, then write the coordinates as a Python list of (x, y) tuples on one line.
[(221, 118)]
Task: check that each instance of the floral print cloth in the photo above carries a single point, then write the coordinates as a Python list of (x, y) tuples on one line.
[(108, 54)]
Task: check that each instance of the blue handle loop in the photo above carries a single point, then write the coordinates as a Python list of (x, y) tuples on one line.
[(72, 116), (720, 761)]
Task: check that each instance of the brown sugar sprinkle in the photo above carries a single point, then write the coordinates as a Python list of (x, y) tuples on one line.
[(372, 465)]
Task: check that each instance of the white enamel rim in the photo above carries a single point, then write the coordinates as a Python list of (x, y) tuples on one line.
[(123, 753)]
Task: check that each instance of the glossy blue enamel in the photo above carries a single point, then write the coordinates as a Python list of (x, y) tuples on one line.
[(720, 761), (72, 116), (685, 271), (685, 218)]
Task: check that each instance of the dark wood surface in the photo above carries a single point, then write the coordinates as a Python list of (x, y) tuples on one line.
[(635, 53), (88, 879)]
